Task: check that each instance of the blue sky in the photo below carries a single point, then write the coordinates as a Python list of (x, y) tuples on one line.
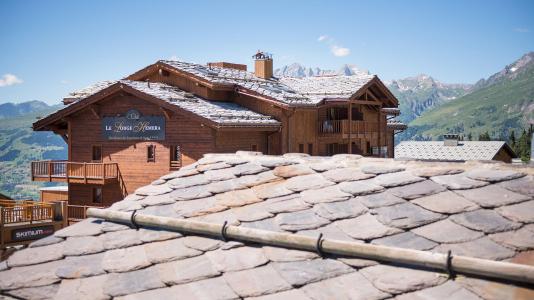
[(48, 48)]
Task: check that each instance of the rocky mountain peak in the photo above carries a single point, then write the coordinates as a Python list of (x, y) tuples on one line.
[(299, 71), (510, 71)]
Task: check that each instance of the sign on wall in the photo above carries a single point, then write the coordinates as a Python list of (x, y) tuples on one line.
[(134, 126), (31, 233)]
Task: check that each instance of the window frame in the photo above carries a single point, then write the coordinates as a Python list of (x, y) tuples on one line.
[(151, 158), (94, 193), (93, 147), (174, 149)]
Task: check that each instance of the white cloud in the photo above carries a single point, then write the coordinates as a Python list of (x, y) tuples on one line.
[(339, 51), (521, 30), (335, 47), (174, 57), (64, 81), (9, 79)]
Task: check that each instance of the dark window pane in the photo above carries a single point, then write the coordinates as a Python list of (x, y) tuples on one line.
[(151, 153), (97, 195), (97, 153)]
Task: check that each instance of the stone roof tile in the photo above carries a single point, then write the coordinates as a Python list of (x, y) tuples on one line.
[(172, 265)]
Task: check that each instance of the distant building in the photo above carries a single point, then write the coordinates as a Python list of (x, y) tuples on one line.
[(452, 149), (124, 134)]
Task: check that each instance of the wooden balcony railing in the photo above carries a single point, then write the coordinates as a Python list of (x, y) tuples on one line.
[(75, 172), (76, 213), (336, 127), (11, 213)]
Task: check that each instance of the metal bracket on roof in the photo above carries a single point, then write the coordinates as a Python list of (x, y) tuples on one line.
[(223, 231), (449, 269), (319, 245), (132, 220)]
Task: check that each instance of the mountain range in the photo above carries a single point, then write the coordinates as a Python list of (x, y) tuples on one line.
[(498, 104), (19, 145), (416, 94), (298, 70)]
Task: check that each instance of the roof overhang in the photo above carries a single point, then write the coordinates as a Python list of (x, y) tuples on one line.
[(383, 88), (48, 122)]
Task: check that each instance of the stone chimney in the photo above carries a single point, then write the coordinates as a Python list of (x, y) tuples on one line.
[(263, 65), (450, 139)]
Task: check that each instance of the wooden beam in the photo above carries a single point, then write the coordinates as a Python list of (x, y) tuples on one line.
[(350, 128), (365, 102), (167, 113), (95, 110), (370, 93)]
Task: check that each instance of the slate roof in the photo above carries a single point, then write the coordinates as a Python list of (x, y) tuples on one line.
[(222, 113), (475, 209), (89, 90), (321, 87), (308, 91), (436, 150), (396, 125), (267, 87)]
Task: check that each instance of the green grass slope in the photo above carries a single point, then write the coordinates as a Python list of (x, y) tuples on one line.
[(19, 145), (499, 108)]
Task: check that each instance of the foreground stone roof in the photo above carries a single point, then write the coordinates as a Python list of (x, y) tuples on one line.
[(476, 209)]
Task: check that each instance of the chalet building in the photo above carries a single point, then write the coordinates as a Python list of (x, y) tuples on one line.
[(124, 134), (452, 149)]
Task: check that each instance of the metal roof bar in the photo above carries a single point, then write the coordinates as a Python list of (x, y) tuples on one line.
[(456, 264)]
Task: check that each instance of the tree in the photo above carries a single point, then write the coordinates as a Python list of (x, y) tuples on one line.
[(470, 136), (513, 142), (524, 146), (484, 136)]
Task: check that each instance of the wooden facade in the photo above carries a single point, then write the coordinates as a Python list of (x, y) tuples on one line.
[(356, 125)]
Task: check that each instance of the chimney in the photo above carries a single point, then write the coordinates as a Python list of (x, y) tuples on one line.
[(450, 139), (263, 65)]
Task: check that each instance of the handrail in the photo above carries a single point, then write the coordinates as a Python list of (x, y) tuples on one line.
[(53, 170), (334, 127), (78, 212), (26, 213)]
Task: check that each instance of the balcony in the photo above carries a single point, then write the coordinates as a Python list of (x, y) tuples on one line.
[(77, 213), (331, 128), (75, 172)]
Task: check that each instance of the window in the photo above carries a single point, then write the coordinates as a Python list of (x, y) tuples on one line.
[(357, 115), (151, 153), (176, 157), (97, 195), (335, 148), (337, 113), (253, 147), (301, 148), (97, 153), (310, 149)]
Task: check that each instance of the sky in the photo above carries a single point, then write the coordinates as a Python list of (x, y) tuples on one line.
[(49, 48)]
